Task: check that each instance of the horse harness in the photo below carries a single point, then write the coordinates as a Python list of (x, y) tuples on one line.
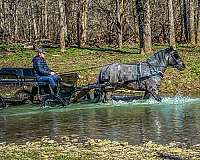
[(140, 77)]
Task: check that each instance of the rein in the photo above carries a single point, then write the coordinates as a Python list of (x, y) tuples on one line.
[(84, 69), (100, 66)]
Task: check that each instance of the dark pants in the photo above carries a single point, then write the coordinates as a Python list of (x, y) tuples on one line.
[(51, 79)]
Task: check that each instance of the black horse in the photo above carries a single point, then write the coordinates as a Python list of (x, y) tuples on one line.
[(145, 76)]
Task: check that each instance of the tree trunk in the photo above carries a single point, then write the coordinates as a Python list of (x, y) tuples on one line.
[(41, 24), (78, 24), (29, 25), (192, 28), (185, 17), (45, 19), (182, 35), (84, 22), (198, 24), (143, 11), (35, 31), (119, 12), (172, 42), (140, 15), (54, 30), (62, 26), (1, 22), (147, 27), (1, 14), (16, 24), (67, 22), (5, 23), (135, 23)]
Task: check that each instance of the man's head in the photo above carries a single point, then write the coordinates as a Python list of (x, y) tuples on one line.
[(40, 52)]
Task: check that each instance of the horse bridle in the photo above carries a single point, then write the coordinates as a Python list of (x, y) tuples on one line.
[(175, 59)]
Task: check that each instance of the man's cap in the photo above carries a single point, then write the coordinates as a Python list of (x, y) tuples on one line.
[(40, 50)]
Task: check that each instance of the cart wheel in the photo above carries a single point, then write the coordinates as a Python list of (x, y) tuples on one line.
[(23, 95), (53, 101), (2, 102)]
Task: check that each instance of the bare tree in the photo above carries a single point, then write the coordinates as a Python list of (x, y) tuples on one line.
[(147, 27), (84, 21), (1, 14), (140, 24), (171, 25), (62, 26), (198, 24), (29, 22), (143, 11), (78, 23), (45, 18), (185, 17), (120, 13), (191, 24), (34, 21), (15, 20)]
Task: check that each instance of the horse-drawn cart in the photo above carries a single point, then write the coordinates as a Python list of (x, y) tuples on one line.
[(144, 76), (40, 92), (32, 90)]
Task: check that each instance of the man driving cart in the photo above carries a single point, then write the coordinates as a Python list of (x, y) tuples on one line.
[(42, 71)]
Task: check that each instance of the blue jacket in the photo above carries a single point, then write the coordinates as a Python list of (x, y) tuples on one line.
[(40, 66)]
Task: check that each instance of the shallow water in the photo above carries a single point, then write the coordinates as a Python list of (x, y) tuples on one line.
[(174, 119)]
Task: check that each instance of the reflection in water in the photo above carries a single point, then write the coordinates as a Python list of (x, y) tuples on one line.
[(135, 122)]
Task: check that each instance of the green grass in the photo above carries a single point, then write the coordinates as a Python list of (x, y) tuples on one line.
[(88, 62)]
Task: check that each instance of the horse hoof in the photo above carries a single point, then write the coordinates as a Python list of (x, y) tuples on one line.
[(159, 99)]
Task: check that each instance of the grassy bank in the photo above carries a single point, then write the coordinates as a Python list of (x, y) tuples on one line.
[(90, 149), (88, 61)]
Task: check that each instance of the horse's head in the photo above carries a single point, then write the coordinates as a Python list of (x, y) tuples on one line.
[(175, 60)]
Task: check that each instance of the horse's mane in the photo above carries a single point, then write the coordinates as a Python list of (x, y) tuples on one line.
[(159, 56)]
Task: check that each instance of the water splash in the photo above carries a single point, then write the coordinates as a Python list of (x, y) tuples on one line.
[(178, 100), (175, 100)]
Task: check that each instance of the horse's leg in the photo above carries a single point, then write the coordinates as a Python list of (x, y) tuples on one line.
[(147, 95), (108, 96), (152, 94), (108, 93), (104, 96), (147, 89), (155, 95), (152, 90)]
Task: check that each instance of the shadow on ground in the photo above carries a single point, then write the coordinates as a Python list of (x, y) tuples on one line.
[(120, 51)]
